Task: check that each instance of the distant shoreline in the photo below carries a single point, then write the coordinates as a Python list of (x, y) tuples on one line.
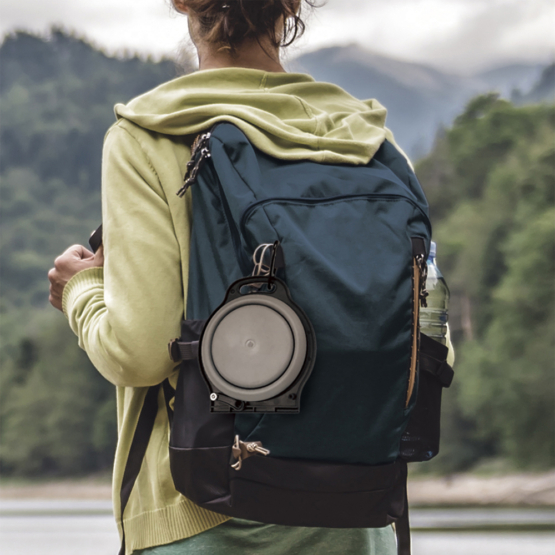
[(514, 490), (511, 490), (70, 489)]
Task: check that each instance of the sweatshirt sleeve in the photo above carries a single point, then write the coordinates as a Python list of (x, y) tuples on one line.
[(125, 314)]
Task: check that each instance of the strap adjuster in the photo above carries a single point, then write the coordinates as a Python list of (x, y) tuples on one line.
[(433, 359), (182, 350), (445, 374)]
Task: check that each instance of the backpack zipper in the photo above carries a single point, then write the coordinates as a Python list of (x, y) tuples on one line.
[(416, 286), (199, 153), (249, 210), (419, 277)]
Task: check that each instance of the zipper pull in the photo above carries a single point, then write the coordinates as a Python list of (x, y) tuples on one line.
[(199, 153), (423, 268), (256, 447), (242, 450)]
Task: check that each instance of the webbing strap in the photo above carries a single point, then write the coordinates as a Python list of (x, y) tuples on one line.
[(169, 394), (433, 359), (402, 526), (183, 350), (143, 431)]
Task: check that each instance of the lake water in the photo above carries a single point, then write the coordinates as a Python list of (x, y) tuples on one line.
[(87, 528)]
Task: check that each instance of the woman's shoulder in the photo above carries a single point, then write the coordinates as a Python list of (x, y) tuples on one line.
[(123, 130), (129, 136)]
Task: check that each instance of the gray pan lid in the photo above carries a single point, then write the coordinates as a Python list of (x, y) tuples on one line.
[(253, 348)]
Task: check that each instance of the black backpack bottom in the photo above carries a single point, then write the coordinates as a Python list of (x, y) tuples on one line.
[(291, 492)]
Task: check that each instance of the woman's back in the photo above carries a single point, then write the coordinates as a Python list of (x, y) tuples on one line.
[(125, 313)]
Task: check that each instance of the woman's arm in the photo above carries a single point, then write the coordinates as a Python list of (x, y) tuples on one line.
[(125, 314)]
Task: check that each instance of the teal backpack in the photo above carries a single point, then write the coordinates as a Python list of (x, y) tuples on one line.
[(305, 386)]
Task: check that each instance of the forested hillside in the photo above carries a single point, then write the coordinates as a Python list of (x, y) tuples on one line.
[(57, 100), (490, 183), (57, 414)]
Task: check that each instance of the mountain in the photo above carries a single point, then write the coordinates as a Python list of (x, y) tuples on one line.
[(507, 78), (420, 99), (543, 90)]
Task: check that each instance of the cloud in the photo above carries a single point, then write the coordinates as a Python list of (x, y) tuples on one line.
[(148, 26), (498, 30), (395, 26), (456, 34)]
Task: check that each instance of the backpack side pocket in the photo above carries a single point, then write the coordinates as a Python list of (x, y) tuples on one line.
[(420, 442)]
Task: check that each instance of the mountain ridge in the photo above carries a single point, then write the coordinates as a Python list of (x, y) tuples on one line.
[(420, 98)]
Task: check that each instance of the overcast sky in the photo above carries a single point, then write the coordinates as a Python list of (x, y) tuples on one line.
[(460, 35)]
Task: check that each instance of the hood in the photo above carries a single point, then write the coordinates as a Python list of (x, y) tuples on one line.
[(286, 115)]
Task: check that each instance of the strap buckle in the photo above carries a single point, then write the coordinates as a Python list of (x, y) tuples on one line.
[(182, 350)]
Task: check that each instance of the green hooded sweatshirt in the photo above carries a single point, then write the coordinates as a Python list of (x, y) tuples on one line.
[(125, 313)]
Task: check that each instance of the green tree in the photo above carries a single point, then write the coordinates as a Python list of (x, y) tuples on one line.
[(492, 191), (57, 413)]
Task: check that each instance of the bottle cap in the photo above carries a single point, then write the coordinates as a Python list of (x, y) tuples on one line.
[(433, 250)]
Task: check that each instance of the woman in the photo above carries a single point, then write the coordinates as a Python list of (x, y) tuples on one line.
[(126, 307)]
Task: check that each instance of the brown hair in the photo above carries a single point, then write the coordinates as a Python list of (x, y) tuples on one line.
[(227, 23)]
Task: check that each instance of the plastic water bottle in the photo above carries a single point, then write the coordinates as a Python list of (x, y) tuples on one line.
[(433, 318)]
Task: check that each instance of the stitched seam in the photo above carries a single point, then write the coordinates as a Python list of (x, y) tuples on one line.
[(254, 481), (153, 511), (164, 197), (310, 114), (307, 111), (332, 201), (315, 205), (148, 161)]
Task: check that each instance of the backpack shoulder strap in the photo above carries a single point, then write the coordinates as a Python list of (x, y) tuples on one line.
[(141, 438)]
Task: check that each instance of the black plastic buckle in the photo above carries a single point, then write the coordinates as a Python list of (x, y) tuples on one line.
[(182, 350)]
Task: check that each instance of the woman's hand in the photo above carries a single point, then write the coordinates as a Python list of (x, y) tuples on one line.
[(72, 261)]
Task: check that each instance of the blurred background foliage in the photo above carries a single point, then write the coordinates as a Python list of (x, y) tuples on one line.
[(490, 183)]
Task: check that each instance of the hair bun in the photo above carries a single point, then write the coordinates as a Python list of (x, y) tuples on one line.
[(229, 23)]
